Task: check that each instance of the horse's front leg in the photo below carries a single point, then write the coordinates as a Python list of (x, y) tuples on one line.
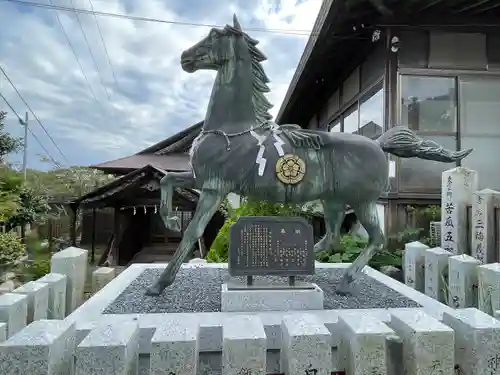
[(208, 204), (170, 181)]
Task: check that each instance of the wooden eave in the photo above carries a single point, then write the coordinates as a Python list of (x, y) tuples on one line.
[(121, 187), (342, 38)]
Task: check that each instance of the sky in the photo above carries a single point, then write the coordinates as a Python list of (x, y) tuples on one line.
[(142, 95)]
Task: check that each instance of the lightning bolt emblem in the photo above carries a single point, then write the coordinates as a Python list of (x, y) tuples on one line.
[(279, 145)]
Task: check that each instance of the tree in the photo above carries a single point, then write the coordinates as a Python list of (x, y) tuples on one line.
[(8, 143), (10, 184), (67, 183), (31, 208)]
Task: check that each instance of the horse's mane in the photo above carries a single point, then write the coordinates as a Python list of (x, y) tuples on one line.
[(261, 104)]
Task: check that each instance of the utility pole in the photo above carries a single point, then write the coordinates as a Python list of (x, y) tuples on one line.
[(25, 148)]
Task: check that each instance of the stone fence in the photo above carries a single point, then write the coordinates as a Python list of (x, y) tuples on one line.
[(354, 345), (464, 271), (53, 296)]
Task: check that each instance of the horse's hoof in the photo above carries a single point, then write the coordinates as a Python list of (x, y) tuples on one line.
[(173, 223), (155, 290), (343, 288)]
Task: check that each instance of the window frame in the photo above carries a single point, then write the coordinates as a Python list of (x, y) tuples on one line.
[(356, 102), (438, 73)]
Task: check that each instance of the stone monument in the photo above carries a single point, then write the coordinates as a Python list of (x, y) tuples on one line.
[(270, 246), (240, 150)]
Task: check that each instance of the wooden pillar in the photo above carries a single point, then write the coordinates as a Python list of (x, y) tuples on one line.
[(117, 235), (92, 253), (74, 212), (50, 237)]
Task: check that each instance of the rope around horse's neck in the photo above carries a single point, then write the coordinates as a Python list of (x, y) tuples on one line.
[(227, 136)]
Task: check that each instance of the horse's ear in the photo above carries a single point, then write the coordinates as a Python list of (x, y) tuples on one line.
[(236, 23)]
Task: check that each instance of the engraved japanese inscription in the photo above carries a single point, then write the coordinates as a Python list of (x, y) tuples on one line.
[(281, 246)]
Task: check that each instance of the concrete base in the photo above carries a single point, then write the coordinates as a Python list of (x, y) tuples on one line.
[(254, 299)]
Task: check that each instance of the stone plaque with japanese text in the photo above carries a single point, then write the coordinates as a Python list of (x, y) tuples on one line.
[(267, 245)]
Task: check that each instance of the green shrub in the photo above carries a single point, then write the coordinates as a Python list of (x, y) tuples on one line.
[(35, 270), (11, 248), (352, 246), (219, 250)]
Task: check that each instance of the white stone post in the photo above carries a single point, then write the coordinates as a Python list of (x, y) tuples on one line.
[(57, 294), (458, 184), (72, 262), (305, 346), (428, 345), (110, 350), (414, 264), (436, 269), (38, 299), (45, 347), (244, 346), (3, 332), (14, 312), (477, 341), (488, 276), (462, 281), (363, 348), (482, 228), (101, 277), (175, 348)]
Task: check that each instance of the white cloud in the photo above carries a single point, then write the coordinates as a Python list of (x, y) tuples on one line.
[(155, 98)]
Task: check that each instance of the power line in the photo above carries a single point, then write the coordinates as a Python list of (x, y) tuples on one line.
[(74, 53), (180, 23), (33, 113), (29, 129), (90, 50), (104, 44)]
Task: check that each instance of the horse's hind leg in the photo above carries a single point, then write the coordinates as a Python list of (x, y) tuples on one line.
[(333, 213), (368, 217)]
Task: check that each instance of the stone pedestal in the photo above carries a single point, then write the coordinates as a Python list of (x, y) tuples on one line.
[(462, 281), (488, 276), (414, 264), (305, 346), (363, 345), (244, 346), (477, 341), (458, 184), (38, 299), (428, 345), (436, 266), (72, 262), (57, 294), (13, 312), (482, 227), (175, 347), (110, 350), (261, 297), (45, 347), (101, 277)]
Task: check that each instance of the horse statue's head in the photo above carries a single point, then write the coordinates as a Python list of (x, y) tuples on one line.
[(236, 58), (219, 47)]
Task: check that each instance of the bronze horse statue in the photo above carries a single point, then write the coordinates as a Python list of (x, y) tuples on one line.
[(240, 150)]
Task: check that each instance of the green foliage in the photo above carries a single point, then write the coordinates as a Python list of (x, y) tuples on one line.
[(11, 248), (72, 182), (35, 270), (428, 213), (10, 184), (352, 246), (31, 208), (219, 250), (8, 143)]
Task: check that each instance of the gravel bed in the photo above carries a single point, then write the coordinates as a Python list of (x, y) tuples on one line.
[(199, 289)]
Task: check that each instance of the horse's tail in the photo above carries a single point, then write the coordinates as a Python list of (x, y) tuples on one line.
[(402, 142)]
